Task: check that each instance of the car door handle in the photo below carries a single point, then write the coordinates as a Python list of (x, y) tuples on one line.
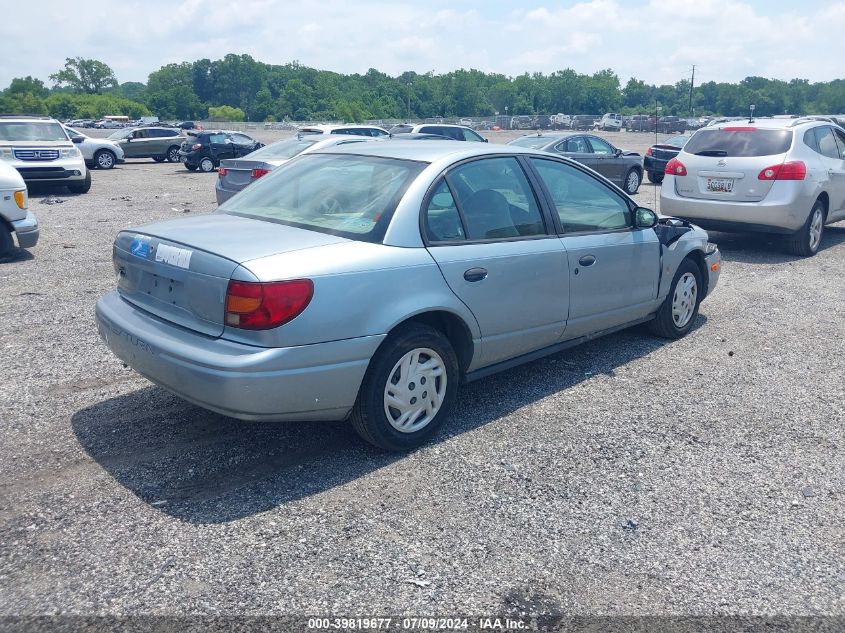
[(475, 274), (587, 260)]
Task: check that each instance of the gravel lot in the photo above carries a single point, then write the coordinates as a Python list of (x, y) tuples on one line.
[(625, 476)]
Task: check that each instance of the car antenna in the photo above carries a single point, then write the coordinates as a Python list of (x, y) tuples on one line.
[(751, 118)]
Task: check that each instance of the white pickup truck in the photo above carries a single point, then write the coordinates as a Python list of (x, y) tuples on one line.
[(15, 218)]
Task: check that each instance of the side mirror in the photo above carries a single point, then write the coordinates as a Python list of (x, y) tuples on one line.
[(77, 139), (644, 218), (486, 140), (618, 152)]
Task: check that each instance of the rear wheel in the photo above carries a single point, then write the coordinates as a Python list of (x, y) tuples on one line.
[(655, 177), (408, 390), (679, 309), (82, 187), (173, 154), (206, 165), (6, 242), (632, 181), (104, 159), (807, 241)]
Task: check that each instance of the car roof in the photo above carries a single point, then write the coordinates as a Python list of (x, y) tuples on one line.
[(329, 128), (770, 123), (462, 127), (426, 152)]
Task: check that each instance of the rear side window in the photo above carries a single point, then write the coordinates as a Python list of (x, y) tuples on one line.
[(495, 200), (739, 142), (826, 141), (442, 220)]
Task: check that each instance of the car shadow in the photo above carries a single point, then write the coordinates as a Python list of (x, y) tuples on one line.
[(17, 255), (206, 468), (759, 248)]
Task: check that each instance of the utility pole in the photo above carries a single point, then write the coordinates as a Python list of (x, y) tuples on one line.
[(409, 84), (691, 86)]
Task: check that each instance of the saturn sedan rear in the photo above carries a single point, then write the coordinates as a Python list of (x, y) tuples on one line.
[(368, 280)]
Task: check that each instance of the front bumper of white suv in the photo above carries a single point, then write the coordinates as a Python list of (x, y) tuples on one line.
[(49, 164)]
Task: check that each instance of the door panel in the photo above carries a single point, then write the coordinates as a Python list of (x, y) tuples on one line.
[(521, 303)]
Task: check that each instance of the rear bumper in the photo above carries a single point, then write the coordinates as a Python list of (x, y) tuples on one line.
[(222, 193), (654, 165), (309, 382), (26, 230), (784, 210)]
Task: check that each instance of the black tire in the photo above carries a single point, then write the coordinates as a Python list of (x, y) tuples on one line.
[(206, 165), (173, 154), (104, 159), (159, 159), (84, 186), (664, 323), (656, 177), (628, 184), (804, 243), (369, 418), (7, 244)]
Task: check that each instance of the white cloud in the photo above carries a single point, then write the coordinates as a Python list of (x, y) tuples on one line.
[(655, 41)]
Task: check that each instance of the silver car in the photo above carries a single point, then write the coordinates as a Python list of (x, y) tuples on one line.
[(97, 152), (236, 173), (781, 176), (369, 280)]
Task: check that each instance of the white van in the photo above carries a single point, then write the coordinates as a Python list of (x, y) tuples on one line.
[(15, 217), (610, 122)]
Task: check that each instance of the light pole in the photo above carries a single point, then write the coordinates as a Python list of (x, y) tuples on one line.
[(409, 84), (507, 120)]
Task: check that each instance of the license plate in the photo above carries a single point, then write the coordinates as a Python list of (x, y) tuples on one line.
[(720, 185)]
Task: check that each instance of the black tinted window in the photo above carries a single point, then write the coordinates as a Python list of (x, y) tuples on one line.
[(739, 141)]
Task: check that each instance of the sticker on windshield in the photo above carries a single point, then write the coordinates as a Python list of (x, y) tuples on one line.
[(174, 256), (140, 246)]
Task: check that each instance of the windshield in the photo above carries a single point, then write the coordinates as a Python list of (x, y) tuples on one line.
[(31, 131), (283, 149), (739, 141), (534, 142), (347, 195)]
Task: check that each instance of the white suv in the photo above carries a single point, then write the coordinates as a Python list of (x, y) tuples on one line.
[(610, 122), (15, 217), (40, 149), (773, 175)]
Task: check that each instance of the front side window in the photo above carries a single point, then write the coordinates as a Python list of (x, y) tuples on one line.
[(495, 199), (347, 195), (839, 136), (600, 146), (581, 201)]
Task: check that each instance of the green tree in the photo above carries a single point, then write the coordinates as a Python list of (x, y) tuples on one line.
[(225, 113), (85, 75), (23, 85)]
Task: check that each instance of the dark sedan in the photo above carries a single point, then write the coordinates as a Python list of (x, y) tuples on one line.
[(659, 154), (623, 168)]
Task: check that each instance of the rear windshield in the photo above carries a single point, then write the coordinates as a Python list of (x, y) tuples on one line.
[(283, 149), (533, 142), (347, 195), (31, 131), (739, 141)]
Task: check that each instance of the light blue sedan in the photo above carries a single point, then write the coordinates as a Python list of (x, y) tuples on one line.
[(367, 281)]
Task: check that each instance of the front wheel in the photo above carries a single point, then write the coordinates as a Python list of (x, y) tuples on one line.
[(173, 154), (679, 309), (807, 241), (656, 177), (105, 159), (408, 390), (206, 165), (82, 187), (632, 181)]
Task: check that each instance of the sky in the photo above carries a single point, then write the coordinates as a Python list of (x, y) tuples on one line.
[(657, 41)]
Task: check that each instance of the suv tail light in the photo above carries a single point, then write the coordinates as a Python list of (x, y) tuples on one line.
[(792, 170), (222, 171), (675, 168), (196, 146), (650, 151), (261, 306), (257, 173)]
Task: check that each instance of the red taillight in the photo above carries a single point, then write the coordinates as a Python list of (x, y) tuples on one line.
[(650, 151), (196, 146), (792, 170), (257, 173), (222, 171), (675, 168), (260, 306)]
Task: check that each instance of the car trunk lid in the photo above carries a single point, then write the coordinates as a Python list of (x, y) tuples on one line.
[(180, 270)]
